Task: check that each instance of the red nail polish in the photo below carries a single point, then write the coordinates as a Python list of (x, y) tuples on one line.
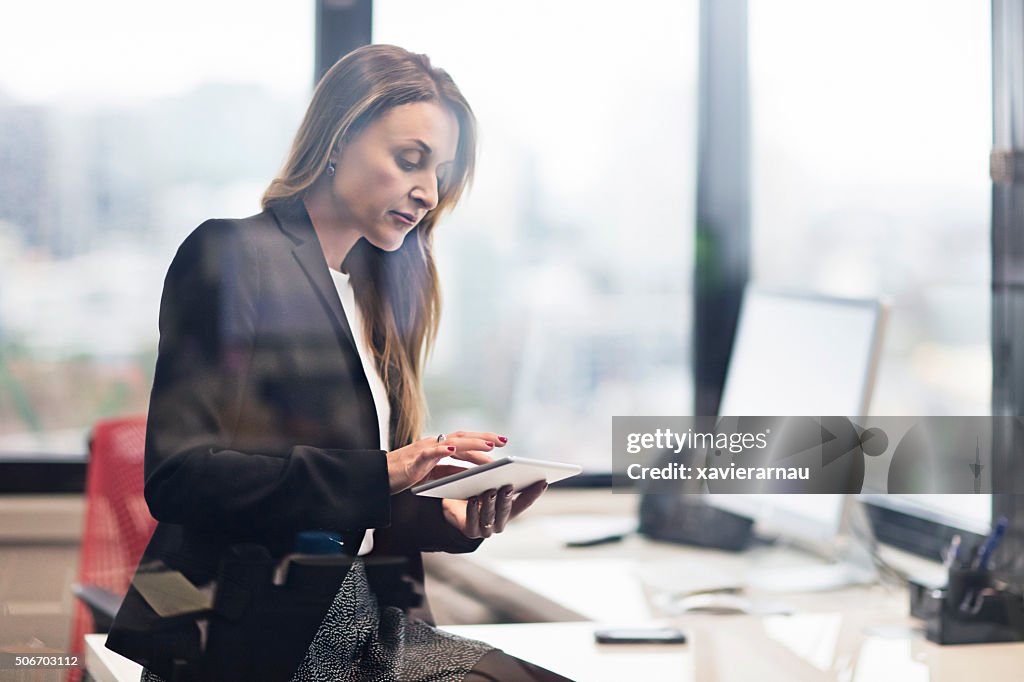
[(489, 443), (503, 439), (451, 448)]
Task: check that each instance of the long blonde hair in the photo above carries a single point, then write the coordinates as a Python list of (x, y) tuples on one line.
[(398, 291)]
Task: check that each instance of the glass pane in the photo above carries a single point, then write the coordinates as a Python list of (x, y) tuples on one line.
[(566, 271), (871, 132), (123, 125)]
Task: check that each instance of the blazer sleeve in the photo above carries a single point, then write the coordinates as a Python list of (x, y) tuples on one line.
[(418, 524), (194, 477)]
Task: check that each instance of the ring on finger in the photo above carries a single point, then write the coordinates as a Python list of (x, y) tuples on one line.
[(488, 525), (440, 437)]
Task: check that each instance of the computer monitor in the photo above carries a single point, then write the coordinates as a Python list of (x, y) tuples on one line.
[(925, 524), (970, 513), (815, 355), (800, 355)]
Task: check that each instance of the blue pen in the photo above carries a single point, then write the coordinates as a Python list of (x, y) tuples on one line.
[(991, 544)]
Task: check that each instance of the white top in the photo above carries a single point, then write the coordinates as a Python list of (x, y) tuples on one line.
[(380, 394)]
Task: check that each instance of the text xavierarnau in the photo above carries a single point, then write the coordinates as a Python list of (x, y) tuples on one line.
[(681, 472)]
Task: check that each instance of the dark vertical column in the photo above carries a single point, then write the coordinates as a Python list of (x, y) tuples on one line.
[(341, 26), (723, 194), (1007, 171)]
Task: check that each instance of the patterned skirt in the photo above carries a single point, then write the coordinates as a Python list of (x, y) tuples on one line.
[(359, 641)]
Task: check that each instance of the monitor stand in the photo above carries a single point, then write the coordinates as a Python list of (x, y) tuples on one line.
[(852, 555)]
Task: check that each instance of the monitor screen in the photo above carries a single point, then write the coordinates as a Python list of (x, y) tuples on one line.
[(802, 355), (808, 355), (925, 524), (799, 355)]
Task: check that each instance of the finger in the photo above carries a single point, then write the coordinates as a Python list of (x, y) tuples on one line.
[(473, 517), (503, 509), (421, 463), (466, 443), (487, 508), (437, 451), (527, 497), (498, 440), (427, 458), (474, 456)]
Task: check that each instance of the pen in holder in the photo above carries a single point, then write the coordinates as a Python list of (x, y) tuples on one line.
[(973, 608)]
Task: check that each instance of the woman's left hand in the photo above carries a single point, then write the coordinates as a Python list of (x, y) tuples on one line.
[(488, 513)]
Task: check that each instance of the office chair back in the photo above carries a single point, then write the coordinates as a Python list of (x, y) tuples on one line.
[(117, 520)]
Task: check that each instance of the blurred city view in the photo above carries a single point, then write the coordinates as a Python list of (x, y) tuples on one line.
[(92, 207), (567, 270), (871, 135)]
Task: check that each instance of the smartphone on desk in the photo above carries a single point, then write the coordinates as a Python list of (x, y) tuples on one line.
[(640, 636)]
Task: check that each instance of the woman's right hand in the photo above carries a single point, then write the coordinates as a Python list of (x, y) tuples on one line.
[(418, 461)]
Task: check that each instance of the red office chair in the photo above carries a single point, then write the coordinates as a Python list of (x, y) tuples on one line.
[(117, 525)]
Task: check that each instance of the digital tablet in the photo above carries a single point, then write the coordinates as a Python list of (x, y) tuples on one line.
[(520, 472)]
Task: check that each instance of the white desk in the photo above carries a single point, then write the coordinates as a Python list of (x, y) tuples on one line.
[(858, 634), (105, 665), (818, 647), (565, 647)]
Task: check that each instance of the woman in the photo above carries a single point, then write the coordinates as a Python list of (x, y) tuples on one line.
[(287, 398)]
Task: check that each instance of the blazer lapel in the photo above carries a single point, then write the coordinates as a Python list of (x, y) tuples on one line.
[(292, 217)]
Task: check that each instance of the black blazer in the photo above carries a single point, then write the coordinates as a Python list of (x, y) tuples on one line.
[(261, 421)]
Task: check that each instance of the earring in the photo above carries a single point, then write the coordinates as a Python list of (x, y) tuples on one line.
[(330, 169)]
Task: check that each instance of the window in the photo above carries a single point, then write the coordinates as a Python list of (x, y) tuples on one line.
[(567, 270), (122, 126), (871, 133)]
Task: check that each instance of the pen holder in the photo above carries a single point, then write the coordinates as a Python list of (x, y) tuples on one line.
[(973, 608)]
